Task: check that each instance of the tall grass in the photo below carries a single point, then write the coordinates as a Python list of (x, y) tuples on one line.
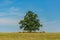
[(29, 36)]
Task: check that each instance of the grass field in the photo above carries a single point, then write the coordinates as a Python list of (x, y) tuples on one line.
[(29, 36)]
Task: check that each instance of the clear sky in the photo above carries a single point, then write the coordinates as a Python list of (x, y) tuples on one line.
[(12, 11)]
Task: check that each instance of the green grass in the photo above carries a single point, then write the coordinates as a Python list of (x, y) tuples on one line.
[(29, 36)]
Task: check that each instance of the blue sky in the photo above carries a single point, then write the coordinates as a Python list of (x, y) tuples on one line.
[(12, 11)]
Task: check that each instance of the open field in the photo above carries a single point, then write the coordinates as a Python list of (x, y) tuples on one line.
[(29, 36)]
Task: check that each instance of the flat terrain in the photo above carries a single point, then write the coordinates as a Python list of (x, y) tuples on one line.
[(29, 36)]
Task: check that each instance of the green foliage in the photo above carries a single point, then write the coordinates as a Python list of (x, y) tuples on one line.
[(30, 22)]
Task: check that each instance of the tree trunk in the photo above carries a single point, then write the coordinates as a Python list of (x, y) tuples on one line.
[(30, 31)]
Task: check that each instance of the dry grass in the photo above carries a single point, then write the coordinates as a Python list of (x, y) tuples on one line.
[(29, 36)]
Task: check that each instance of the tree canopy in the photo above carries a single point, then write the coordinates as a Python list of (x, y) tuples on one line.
[(30, 22)]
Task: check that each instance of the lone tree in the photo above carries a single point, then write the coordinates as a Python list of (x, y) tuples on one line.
[(30, 22)]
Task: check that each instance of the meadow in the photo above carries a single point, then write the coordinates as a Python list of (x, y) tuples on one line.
[(29, 36)]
